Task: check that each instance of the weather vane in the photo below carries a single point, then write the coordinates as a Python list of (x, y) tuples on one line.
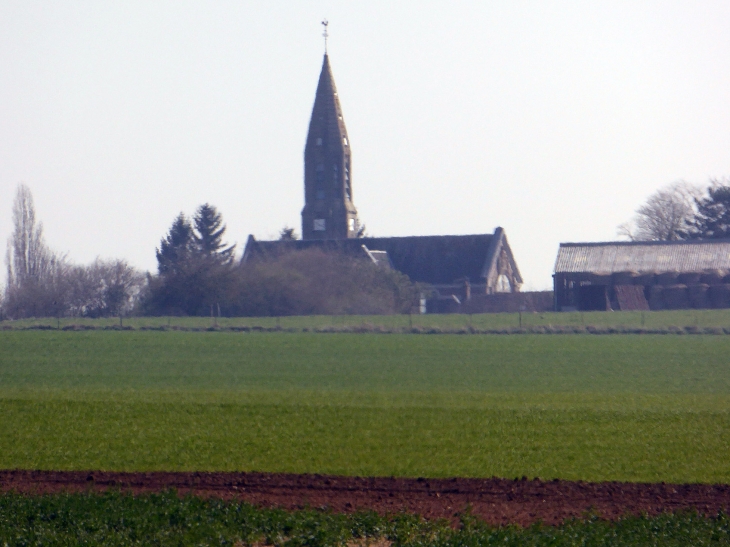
[(325, 22)]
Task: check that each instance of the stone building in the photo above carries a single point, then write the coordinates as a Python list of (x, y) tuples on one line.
[(642, 275), (461, 266), (461, 270)]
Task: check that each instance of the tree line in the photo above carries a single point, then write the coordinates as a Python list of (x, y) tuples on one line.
[(44, 283), (682, 211), (197, 274)]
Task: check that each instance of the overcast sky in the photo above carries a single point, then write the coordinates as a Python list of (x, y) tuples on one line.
[(554, 120)]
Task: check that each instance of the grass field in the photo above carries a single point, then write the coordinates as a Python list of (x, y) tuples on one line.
[(623, 407), (627, 319)]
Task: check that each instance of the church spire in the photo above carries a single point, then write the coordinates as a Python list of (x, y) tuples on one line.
[(329, 211)]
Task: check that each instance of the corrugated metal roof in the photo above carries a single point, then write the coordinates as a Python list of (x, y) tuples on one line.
[(675, 256)]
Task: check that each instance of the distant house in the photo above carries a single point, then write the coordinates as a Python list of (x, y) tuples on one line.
[(456, 268), (642, 275)]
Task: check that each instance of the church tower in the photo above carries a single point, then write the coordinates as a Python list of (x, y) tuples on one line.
[(329, 212)]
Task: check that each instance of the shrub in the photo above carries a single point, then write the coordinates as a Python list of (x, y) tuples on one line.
[(315, 282)]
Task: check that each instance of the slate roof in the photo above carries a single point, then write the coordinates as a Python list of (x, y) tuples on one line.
[(327, 119), (643, 256), (437, 260)]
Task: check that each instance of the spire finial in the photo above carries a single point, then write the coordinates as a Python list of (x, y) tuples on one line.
[(325, 22)]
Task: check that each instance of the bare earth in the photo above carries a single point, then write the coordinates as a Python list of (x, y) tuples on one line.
[(498, 501)]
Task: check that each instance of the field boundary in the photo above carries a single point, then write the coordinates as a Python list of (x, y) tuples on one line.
[(497, 501), (367, 328)]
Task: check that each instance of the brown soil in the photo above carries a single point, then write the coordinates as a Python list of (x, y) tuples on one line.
[(498, 501)]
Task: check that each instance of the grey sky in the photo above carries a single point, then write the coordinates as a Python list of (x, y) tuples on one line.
[(554, 120)]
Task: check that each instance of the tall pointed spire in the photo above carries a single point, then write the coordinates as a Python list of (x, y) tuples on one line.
[(329, 212)]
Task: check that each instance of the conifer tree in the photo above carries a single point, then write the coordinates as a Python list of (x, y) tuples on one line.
[(195, 266), (208, 234), (712, 219), (176, 246)]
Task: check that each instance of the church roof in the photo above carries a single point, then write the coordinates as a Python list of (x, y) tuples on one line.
[(437, 260), (327, 121)]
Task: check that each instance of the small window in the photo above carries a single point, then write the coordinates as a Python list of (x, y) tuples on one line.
[(344, 141), (351, 224), (319, 225), (319, 141), (503, 284)]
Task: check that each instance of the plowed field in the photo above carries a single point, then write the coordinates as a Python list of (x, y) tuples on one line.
[(497, 501)]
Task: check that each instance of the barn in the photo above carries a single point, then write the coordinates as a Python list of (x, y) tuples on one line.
[(642, 275)]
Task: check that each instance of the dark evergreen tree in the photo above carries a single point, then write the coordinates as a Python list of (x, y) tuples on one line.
[(176, 247), (712, 219), (208, 234), (195, 267)]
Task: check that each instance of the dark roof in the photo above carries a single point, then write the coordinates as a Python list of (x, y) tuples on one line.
[(643, 256), (438, 260), (327, 120)]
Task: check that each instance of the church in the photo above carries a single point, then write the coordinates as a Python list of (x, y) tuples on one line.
[(459, 268)]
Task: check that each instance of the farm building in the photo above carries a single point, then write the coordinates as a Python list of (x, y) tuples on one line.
[(458, 268), (642, 275)]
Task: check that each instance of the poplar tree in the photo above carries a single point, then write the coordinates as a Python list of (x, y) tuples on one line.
[(35, 275)]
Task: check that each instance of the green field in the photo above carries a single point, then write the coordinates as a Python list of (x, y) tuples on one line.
[(622, 407)]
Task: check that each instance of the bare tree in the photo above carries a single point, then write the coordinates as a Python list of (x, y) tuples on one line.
[(42, 283), (36, 276), (665, 214), (288, 234), (103, 288), (121, 284), (28, 257)]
